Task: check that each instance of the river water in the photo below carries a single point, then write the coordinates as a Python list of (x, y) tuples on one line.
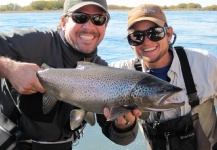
[(194, 29)]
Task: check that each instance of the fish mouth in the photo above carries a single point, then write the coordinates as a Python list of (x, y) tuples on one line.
[(164, 104), (166, 100)]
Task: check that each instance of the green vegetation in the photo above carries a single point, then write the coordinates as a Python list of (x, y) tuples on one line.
[(47, 5), (34, 6), (184, 6), (10, 7), (213, 7), (58, 5)]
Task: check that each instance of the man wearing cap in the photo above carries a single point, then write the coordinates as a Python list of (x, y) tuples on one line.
[(24, 126), (192, 126)]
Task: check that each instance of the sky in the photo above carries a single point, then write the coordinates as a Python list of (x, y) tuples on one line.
[(130, 3)]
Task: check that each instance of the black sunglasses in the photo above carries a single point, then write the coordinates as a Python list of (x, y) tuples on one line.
[(154, 34), (81, 18)]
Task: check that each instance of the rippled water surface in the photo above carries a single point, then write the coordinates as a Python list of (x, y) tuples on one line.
[(195, 29)]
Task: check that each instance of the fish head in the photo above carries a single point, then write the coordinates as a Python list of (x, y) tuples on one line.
[(151, 93)]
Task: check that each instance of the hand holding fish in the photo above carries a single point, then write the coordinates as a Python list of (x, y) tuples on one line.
[(126, 120), (23, 77)]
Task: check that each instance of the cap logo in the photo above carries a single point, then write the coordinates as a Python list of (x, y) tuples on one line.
[(149, 10)]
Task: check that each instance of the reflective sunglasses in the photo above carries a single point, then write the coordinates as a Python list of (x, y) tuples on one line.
[(81, 18), (154, 34)]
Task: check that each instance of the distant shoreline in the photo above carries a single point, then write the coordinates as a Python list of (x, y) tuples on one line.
[(110, 10), (42, 11), (34, 11), (57, 6)]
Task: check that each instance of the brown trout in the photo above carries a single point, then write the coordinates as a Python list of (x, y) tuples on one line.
[(93, 87)]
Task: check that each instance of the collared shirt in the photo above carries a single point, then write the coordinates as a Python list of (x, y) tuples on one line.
[(204, 70)]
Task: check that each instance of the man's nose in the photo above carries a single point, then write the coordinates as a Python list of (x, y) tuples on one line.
[(146, 40), (89, 24)]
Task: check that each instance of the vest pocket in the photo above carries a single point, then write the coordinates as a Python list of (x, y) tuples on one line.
[(174, 134)]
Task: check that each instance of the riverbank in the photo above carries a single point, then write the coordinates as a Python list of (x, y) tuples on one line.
[(110, 10), (34, 11)]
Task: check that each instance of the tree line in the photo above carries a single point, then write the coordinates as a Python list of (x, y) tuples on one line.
[(58, 5), (34, 6)]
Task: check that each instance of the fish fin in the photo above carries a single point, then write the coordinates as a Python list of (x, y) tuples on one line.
[(81, 65), (118, 111), (49, 101), (76, 118), (147, 109), (90, 118), (45, 66)]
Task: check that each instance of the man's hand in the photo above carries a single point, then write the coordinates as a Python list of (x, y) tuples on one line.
[(22, 76), (125, 121)]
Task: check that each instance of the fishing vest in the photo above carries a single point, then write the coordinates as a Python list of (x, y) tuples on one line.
[(17, 129), (183, 132)]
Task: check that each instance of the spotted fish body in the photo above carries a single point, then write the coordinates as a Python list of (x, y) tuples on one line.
[(93, 87)]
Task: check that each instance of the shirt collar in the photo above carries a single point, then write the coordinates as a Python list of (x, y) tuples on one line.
[(175, 66)]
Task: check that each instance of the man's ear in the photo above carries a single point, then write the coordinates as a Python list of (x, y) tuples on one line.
[(63, 23), (169, 33)]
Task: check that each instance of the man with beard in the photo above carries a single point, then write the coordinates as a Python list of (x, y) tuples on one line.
[(23, 51)]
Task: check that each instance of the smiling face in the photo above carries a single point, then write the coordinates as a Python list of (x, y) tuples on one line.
[(155, 54), (84, 37)]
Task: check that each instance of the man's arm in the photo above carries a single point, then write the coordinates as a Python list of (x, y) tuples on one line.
[(16, 49), (21, 75)]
